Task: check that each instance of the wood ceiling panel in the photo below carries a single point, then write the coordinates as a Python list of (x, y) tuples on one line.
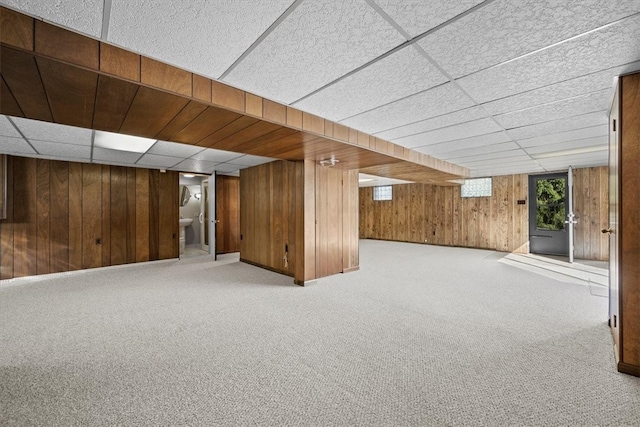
[(192, 110), (262, 145), (67, 46), (21, 74), (151, 111), (209, 121), (235, 126), (113, 101), (247, 134), (16, 29), (8, 103), (71, 92)]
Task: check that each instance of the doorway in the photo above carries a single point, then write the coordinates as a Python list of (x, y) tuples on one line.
[(548, 210), (227, 221)]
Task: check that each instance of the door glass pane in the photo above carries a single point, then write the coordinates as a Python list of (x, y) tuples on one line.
[(550, 212)]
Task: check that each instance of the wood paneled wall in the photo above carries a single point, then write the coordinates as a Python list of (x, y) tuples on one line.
[(65, 216), (437, 215), (272, 216), (591, 205), (299, 219)]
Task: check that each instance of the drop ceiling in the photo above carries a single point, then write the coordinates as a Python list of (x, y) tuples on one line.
[(497, 86)]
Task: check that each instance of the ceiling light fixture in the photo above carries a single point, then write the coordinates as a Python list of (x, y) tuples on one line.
[(328, 163), (188, 175), (573, 152), (116, 141), (366, 180)]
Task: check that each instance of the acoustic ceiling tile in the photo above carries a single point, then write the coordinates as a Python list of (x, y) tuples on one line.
[(215, 156), (561, 125), (44, 131), (121, 157), (318, 42), (515, 159), (397, 76), (84, 16), (581, 85), (505, 29), (506, 153), (497, 170), (600, 158), (592, 102), (62, 150), (228, 167), (608, 47), (415, 16), (468, 152), (474, 141), (7, 129), (174, 149), (155, 160), (457, 117), (199, 35), (456, 132), (590, 132), (434, 102), (11, 145), (569, 145), (197, 166), (249, 160)]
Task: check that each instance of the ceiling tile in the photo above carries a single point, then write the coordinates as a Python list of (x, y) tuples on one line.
[(507, 151), (228, 167), (610, 46), (44, 131), (568, 145), (515, 158), (592, 102), (590, 132), (200, 35), (249, 160), (467, 152), (158, 161), (562, 125), (7, 129), (474, 141), (600, 158), (434, 102), (461, 131), (505, 29), (11, 145), (416, 16), (121, 157), (216, 156), (497, 170), (174, 149), (460, 116), (320, 41), (556, 92), (198, 166), (70, 151), (84, 16), (397, 76)]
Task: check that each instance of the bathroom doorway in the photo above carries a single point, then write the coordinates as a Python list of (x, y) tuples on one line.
[(194, 195)]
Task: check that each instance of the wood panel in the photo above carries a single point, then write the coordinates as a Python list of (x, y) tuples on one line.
[(165, 76), (591, 195), (71, 216), (22, 77), (119, 62), (59, 213), (91, 215), (16, 29), (113, 100), (228, 214), (65, 45), (43, 216), (629, 226), (6, 228)]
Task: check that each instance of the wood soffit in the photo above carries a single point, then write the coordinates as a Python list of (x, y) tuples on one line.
[(55, 75)]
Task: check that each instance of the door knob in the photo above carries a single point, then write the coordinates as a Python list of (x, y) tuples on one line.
[(606, 230)]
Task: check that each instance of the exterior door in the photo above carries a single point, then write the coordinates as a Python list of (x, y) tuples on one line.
[(548, 209), (227, 214)]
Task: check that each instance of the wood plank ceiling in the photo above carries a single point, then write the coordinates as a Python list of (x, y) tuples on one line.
[(55, 75)]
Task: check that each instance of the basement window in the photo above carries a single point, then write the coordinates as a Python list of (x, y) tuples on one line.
[(478, 187), (383, 192)]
